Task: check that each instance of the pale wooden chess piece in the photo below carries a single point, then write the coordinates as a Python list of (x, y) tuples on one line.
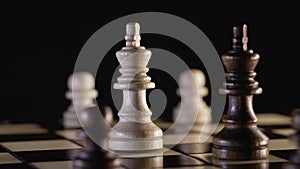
[(192, 110), (135, 131), (81, 93)]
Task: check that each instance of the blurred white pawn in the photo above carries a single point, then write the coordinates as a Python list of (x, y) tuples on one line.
[(81, 93), (192, 110)]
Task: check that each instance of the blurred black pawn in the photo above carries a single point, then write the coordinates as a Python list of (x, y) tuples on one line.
[(294, 161), (94, 133)]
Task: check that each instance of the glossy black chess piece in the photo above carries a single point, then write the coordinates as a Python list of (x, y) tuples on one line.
[(240, 139)]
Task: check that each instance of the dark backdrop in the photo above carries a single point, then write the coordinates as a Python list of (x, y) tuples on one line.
[(40, 43)]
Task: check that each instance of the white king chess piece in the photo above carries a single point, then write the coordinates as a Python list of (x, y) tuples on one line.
[(135, 131)]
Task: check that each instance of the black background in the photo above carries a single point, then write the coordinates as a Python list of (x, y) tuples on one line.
[(41, 41)]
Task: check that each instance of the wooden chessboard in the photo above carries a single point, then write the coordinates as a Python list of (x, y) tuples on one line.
[(27, 146)]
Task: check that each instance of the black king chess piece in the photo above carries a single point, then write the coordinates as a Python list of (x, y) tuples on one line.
[(240, 139)]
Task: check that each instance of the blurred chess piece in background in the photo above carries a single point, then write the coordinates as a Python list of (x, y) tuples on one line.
[(94, 135), (81, 93), (192, 110), (294, 161)]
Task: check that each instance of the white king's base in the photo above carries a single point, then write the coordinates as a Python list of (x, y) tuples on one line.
[(135, 144)]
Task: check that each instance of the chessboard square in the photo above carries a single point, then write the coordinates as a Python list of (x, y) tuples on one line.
[(174, 139), (162, 152), (212, 128), (2, 149), (182, 160), (209, 159), (171, 153), (53, 164), (282, 144), (27, 137), (273, 119), (285, 131), (6, 158), (193, 148), (20, 125), (268, 132), (69, 134), (146, 162), (15, 166), (49, 155), (26, 128), (38, 145), (195, 167), (285, 154), (275, 165), (161, 161)]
